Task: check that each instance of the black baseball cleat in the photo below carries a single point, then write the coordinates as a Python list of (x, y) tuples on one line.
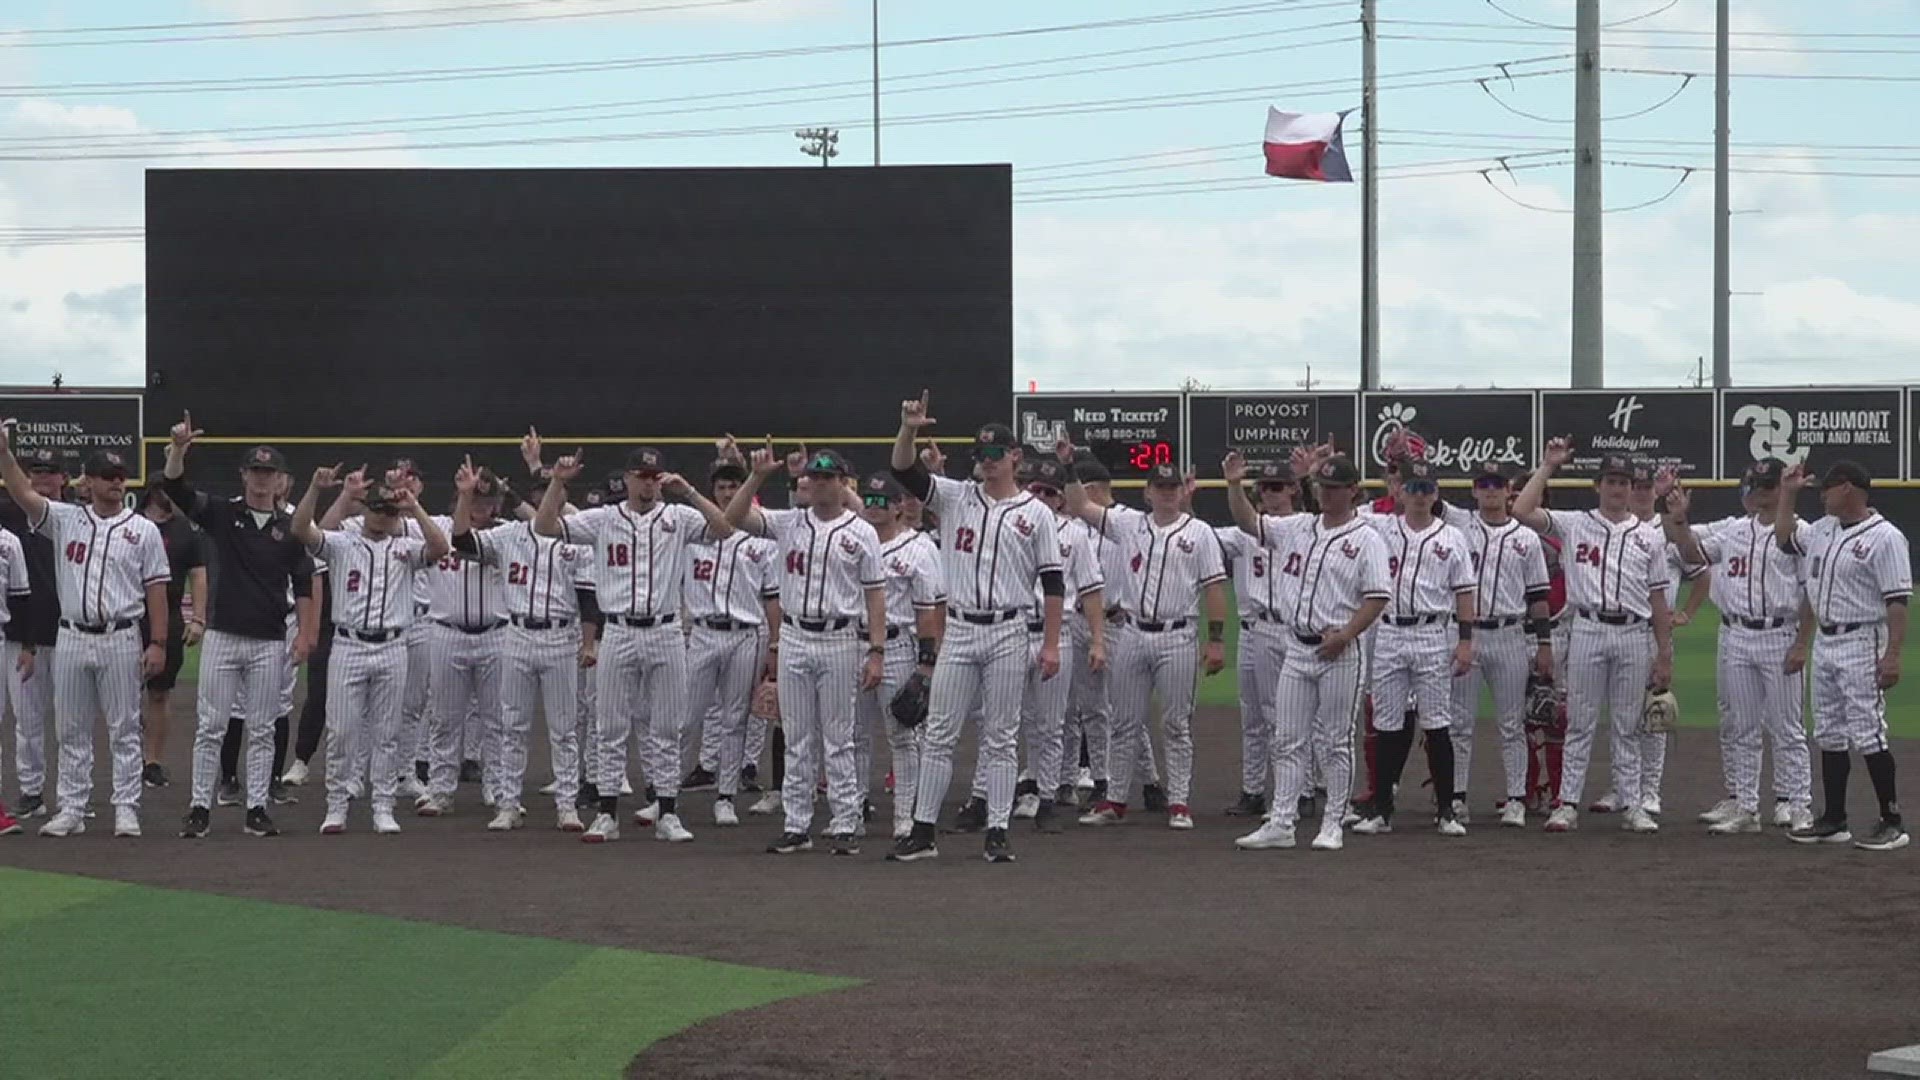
[(278, 795), (1026, 787), (1099, 794), (1250, 805), (30, 806), (845, 843), (998, 850), (1044, 817), (867, 810), (750, 778), (259, 824), (1306, 808), (588, 798), (698, 780), (790, 844), (154, 775), (1065, 795), (916, 845), (197, 822), (470, 771), (971, 817), (421, 771), (1154, 797), (1825, 830), (229, 793), (1889, 835)]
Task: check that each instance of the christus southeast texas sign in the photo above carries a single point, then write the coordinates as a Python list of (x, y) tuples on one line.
[(1455, 431)]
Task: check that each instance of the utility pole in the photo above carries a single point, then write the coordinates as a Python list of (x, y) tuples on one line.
[(820, 142), (1589, 340), (876, 82), (1308, 381), (1369, 205), (1722, 210)]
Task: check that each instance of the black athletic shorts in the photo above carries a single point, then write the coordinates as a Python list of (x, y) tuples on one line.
[(176, 653)]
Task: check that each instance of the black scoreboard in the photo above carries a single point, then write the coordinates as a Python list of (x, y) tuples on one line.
[(1128, 433)]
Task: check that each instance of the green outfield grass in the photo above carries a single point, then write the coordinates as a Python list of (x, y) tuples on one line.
[(110, 979)]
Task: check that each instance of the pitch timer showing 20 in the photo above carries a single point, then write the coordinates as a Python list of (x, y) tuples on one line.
[(1128, 433)]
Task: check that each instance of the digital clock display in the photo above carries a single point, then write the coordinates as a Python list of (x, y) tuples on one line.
[(1128, 433)]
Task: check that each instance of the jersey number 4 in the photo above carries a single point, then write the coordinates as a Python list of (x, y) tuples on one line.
[(76, 551), (797, 562), (1292, 566), (1587, 553)]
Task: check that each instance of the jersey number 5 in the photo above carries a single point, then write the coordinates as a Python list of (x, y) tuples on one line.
[(1259, 567), (76, 551)]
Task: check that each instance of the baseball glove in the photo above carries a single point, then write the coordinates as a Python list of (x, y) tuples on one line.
[(1661, 714), (1544, 721), (909, 706), (766, 701)]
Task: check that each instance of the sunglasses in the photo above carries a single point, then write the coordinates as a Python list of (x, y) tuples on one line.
[(1043, 490), (1490, 482), (1278, 485), (877, 502), (991, 453), (1420, 487)]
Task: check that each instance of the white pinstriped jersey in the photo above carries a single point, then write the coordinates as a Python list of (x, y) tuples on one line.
[(462, 590), (732, 578), (1752, 578), (829, 565), (915, 580), (538, 571), (1079, 567), (1611, 567), (372, 580), (1854, 570), (1113, 566), (1509, 562), (421, 589), (1166, 565), (1256, 588), (639, 559), (102, 566), (995, 549), (1429, 566), (1326, 572), (13, 574)]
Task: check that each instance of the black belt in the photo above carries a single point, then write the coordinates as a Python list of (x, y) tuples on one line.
[(525, 623), (1496, 624), (721, 622), (1621, 619), (892, 631), (1831, 629), (1117, 616), (1035, 626), (989, 618), (1153, 627), (100, 628), (465, 629), (1414, 620), (1309, 639), (1752, 624), (817, 626), (373, 636), (641, 624)]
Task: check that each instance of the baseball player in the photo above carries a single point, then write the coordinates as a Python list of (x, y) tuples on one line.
[(733, 603), (1334, 584), (640, 552), (34, 629), (916, 593), (370, 572), (1172, 559), (1434, 583), (111, 566), (996, 541), (263, 573), (1617, 586), (1859, 575), (832, 585), (1512, 635), (16, 659), (1255, 590), (1756, 586)]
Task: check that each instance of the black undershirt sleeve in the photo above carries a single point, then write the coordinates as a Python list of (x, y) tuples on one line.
[(917, 481)]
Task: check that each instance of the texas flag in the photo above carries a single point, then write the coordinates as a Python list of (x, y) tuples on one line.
[(1306, 146)]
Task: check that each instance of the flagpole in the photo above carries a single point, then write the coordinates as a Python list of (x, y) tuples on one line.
[(1369, 207)]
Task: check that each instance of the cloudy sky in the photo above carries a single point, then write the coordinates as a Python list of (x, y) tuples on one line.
[(1148, 248)]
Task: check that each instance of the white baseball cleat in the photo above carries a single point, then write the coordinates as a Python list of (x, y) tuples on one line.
[(1609, 803), (626, 786), (383, 821), (1349, 817), (550, 787), (1740, 822), (1564, 818), (1451, 826), (567, 819), (670, 830), (1100, 816), (724, 814), (1026, 806), (1083, 780), (1514, 814), (769, 804), (65, 823), (410, 787), (1373, 826), (1651, 804), (1637, 820), (902, 830), (335, 823), (1330, 838), (1783, 814), (434, 806), (1179, 818), (1460, 813), (126, 822), (1271, 835), (296, 774), (605, 829), (506, 819), (1721, 811), (1800, 817), (647, 814)]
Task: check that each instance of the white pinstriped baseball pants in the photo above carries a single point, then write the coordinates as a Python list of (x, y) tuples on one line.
[(722, 668), (1043, 723), (1756, 696), (1146, 664), (1501, 659), (873, 711), (98, 675), (1315, 707), (1849, 710), (988, 663), (32, 716), (244, 675), (1262, 648), (539, 670), (464, 667), (1607, 668), (641, 680), (1089, 713), (819, 686), (365, 681)]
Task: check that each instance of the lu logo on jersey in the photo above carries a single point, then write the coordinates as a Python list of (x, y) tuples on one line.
[(1442, 553), (849, 546), (1347, 549), (1860, 550), (1185, 545), (1023, 526)]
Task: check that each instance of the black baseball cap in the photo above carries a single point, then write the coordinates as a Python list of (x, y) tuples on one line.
[(616, 487), (1337, 471), (264, 457), (380, 499), (1489, 472), (881, 489), (727, 470), (646, 460), (106, 465), (1275, 474), (1044, 472), (1642, 471), (996, 435), (35, 461), (1417, 470), (1615, 465), (488, 486), (1847, 472), (1164, 473), (1765, 473), (405, 466), (1089, 471), (827, 463)]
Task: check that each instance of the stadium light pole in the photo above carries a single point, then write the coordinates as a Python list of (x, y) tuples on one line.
[(1369, 206), (1589, 340), (820, 142), (876, 82)]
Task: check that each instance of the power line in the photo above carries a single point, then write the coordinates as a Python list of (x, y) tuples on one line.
[(1148, 185), (1515, 110), (1790, 76), (1502, 136), (1523, 204), (1794, 34), (1266, 183), (1435, 39), (1662, 9)]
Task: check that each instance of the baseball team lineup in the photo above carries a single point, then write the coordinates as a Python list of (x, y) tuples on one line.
[(689, 629)]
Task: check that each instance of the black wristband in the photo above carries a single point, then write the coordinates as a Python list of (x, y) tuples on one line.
[(1542, 631), (1216, 631), (1466, 630), (929, 652)]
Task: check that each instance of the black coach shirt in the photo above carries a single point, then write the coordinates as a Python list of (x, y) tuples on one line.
[(184, 553), (36, 620), (255, 562)]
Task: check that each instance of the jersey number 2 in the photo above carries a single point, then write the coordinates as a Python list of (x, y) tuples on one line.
[(703, 569), (1587, 553), (517, 573), (353, 581)]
